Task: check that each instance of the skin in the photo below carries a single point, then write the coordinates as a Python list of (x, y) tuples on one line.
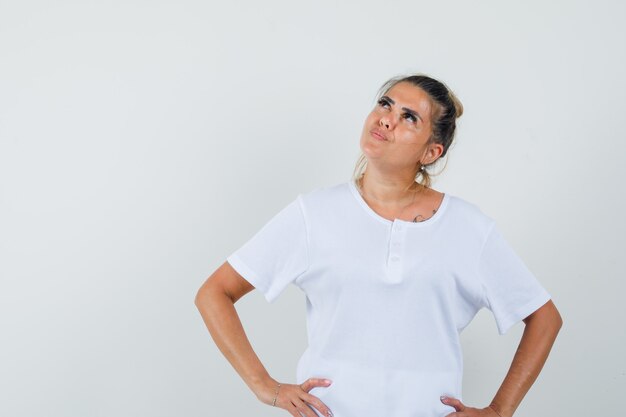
[(389, 188), (388, 184)]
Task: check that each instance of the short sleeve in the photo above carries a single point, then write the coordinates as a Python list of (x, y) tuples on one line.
[(277, 254), (511, 290)]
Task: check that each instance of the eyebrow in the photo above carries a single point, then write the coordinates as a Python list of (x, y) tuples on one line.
[(406, 109)]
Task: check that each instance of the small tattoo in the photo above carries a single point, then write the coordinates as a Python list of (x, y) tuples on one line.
[(423, 219)]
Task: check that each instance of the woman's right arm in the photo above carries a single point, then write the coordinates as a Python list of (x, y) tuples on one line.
[(216, 300)]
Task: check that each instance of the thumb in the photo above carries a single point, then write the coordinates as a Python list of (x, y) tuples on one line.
[(311, 383), (457, 404)]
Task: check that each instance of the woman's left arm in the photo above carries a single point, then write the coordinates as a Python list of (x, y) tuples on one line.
[(540, 332)]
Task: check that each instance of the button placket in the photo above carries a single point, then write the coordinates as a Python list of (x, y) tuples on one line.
[(394, 258)]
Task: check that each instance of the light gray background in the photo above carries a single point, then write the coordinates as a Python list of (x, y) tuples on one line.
[(143, 142)]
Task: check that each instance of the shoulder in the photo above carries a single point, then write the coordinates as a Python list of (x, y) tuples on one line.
[(468, 207), (323, 205), (465, 214), (326, 194)]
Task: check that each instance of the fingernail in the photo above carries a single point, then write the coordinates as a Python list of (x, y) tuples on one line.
[(443, 398), (330, 413), (328, 381)]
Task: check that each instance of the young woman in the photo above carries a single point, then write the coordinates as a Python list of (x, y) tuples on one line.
[(393, 270)]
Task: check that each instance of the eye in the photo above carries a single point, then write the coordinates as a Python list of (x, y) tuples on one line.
[(383, 102), (410, 116)]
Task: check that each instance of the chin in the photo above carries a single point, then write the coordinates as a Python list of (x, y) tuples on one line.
[(369, 151)]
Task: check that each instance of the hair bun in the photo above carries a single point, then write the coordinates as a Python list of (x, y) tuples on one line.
[(458, 107)]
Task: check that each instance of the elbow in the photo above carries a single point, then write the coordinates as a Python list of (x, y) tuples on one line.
[(558, 321), (203, 295), (200, 298), (209, 293), (555, 323)]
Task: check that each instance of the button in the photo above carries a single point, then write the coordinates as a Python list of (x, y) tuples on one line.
[(395, 258)]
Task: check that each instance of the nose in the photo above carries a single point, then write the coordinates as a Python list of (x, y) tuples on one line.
[(385, 122)]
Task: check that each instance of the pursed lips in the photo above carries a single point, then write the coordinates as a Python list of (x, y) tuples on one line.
[(377, 134)]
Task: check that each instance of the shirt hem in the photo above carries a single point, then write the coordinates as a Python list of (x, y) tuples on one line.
[(523, 312), (249, 275)]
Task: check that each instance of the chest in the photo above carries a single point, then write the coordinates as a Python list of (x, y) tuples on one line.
[(391, 259)]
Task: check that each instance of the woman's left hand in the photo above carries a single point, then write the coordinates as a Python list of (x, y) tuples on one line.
[(464, 411)]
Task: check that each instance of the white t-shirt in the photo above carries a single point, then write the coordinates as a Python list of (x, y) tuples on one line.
[(387, 300)]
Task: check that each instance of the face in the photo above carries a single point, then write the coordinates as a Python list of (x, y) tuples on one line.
[(396, 131)]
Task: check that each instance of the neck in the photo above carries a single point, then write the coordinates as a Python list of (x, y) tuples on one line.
[(389, 188)]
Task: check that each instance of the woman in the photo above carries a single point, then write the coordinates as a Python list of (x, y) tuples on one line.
[(393, 270)]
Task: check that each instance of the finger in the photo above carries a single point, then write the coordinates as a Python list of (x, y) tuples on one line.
[(457, 404), (304, 408), (311, 383), (293, 410), (317, 403)]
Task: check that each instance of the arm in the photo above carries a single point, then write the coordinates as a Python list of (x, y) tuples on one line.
[(540, 332), (215, 300)]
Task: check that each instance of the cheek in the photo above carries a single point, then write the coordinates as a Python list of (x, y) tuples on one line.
[(406, 136), (409, 145), (411, 136)]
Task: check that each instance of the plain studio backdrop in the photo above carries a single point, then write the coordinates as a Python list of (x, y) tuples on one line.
[(143, 142)]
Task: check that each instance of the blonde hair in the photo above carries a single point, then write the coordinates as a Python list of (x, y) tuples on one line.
[(446, 108)]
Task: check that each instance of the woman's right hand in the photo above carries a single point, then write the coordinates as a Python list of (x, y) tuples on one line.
[(296, 398)]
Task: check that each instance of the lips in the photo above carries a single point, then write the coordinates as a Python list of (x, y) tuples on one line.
[(378, 134)]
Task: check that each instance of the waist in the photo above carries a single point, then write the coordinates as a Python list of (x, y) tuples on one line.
[(370, 389)]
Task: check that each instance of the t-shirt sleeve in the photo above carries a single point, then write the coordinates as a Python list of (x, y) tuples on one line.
[(277, 254), (510, 290)]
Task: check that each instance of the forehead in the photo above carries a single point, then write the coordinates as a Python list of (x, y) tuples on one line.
[(411, 96)]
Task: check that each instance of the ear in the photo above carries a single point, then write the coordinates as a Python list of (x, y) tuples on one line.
[(433, 153)]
